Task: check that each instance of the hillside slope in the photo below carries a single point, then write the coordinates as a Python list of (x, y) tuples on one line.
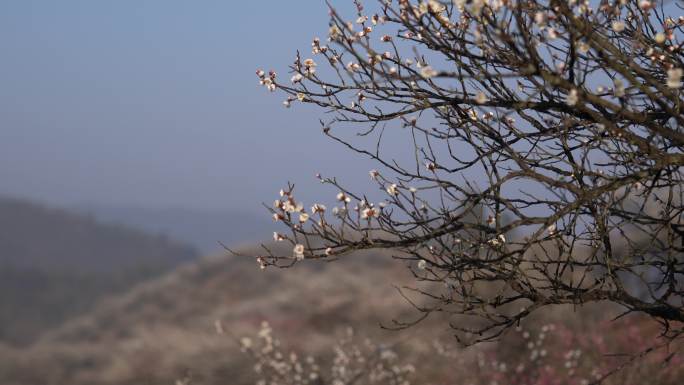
[(32, 235), (55, 264), (163, 328)]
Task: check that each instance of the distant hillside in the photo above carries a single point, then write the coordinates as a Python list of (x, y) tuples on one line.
[(55, 264), (203, 229), (156, 332), (32, 235)]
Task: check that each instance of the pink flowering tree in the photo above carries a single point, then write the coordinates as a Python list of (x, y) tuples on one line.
[(546, 154)]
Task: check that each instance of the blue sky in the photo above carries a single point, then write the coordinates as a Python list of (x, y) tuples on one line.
[(155, 103)]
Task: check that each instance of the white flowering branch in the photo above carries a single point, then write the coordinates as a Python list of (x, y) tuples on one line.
[(547, 148)]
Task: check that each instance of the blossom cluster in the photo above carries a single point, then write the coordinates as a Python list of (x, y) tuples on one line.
[(292, 213), (549, 353), (267, 81), (352, 362)]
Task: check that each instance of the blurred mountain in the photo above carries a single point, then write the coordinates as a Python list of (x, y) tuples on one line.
[(204, 229), (55, 264)]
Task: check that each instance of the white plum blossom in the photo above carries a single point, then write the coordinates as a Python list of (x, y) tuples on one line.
[(268, 83), (303, 217), (262, 262), (498, 241), (334, 32), (298, 251), (431, 166), (560, 67), (316, 47), (551, 229), (246, 342), (481, 98), (582, 46), (317, 208), (660, 38), (339, 211), (310, 66), (552, 34), (374, 174), (342, 197), (369, 212), (392, 189), (428, 72), (472, 114), (618, 26), (422, 264), (353, 67), (296, 78), (572, 97), (365, 31), (436, 6), (674, 78), (291, 207)]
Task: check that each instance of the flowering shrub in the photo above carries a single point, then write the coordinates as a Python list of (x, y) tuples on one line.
[(364, 363), (550, 354)]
